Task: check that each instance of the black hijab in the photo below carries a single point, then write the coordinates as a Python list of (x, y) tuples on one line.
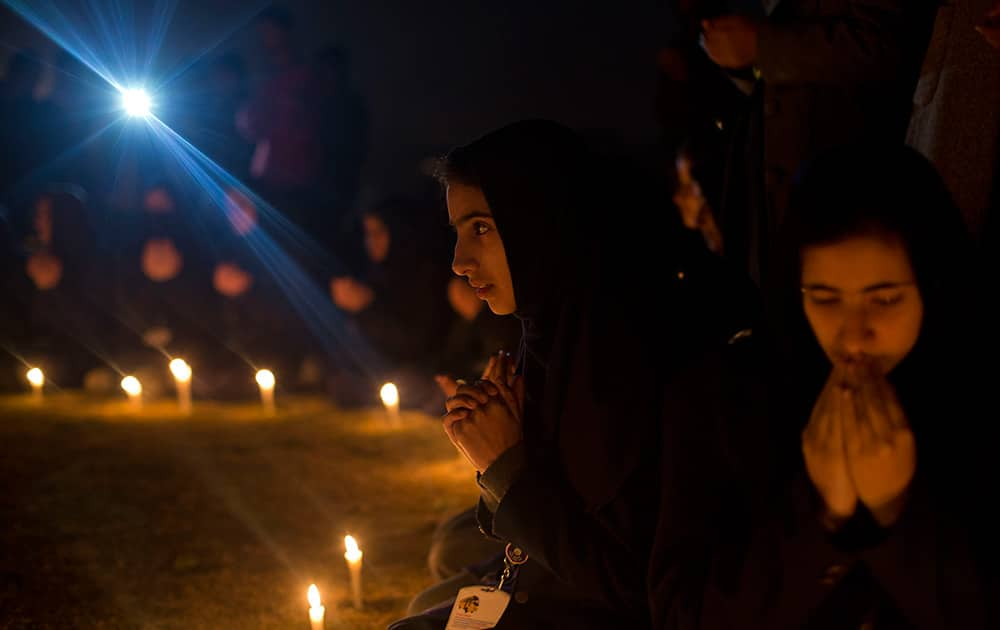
[(587, 241), (874, 188)]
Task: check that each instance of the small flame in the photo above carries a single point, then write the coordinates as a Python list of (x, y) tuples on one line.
[(35, 377), (265, 378), (132, 386), (181, 370), (314, 596), (390, 395), (353, 551)]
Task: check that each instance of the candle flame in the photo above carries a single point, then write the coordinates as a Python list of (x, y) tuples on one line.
[(390, 395), (353, 551), (313, 596), (132, 386), (35, 377), (181, 370), (265, 378)]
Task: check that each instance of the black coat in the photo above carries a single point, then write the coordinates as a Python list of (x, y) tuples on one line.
[(595, 356), (740, 543)]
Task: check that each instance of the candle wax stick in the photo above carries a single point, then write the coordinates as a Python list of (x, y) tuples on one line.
[(184, 396), (316, 614), (316, 609), (267, 399), (356, 584)]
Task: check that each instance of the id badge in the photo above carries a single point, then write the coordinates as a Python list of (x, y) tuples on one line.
[(477, 607)]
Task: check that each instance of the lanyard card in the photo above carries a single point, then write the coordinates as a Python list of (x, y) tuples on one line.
[(477, 607)]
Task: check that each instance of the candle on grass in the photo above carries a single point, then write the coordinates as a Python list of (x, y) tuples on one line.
[(316, 610), (390, 398), (37, 380), (353, 557), (133, 388), (182, 377), (265, 380)]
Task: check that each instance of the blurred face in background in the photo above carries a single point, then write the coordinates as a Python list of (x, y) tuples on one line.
[(861, 300), (479, 252), (158, 201)]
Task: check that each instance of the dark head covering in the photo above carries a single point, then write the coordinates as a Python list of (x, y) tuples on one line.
[(880, 189), (590, 243), (532, 174)]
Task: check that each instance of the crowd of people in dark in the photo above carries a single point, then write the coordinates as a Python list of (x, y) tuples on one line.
[(745, 384), (114, 255), (766, 407)]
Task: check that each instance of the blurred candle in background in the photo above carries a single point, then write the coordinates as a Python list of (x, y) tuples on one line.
[(390, 398), (133, 388), (316, 610), (37, 380), (182, 377), (265, 380), (353, 555)]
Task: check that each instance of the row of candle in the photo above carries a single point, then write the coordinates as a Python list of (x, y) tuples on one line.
[(353, 555), (182, 378), (265, 379)]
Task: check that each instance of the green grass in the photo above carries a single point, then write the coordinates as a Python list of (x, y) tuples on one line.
[(112, 519)]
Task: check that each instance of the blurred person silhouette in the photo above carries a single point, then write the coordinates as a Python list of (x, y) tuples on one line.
[(397, 305)]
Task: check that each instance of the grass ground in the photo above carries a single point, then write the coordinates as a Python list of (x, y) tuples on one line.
[(114, 519)]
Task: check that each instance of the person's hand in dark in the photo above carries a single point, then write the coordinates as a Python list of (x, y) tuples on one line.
[(881, 449), (351, 295), (484, 419), (44, 269), (825, 454), (231, 280), (447, 384)]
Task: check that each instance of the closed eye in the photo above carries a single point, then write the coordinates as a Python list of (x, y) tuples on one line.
[(887, 299), (821, 297)]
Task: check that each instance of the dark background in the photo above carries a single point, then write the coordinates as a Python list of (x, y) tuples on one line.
[(435, 72)]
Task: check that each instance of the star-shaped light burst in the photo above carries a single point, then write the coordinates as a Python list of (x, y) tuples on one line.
[(136, 102)]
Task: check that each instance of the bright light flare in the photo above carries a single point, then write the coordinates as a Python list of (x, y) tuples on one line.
[(265, 378), (132, 386), (353, 553), (181, 370), (390, 395), (35, 377), (313, 596), (136, 102)]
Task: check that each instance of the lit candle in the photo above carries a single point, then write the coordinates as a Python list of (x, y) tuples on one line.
[(265, 380), (37, 380), (182, 377), (353, 557), (390, 398), (133, 388), (316, 610)]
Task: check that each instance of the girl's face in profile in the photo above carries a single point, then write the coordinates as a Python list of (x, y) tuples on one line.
[(861, 299), (479, 252)]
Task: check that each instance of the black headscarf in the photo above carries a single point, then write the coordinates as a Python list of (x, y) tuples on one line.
[(591, 245), (875, 188)]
